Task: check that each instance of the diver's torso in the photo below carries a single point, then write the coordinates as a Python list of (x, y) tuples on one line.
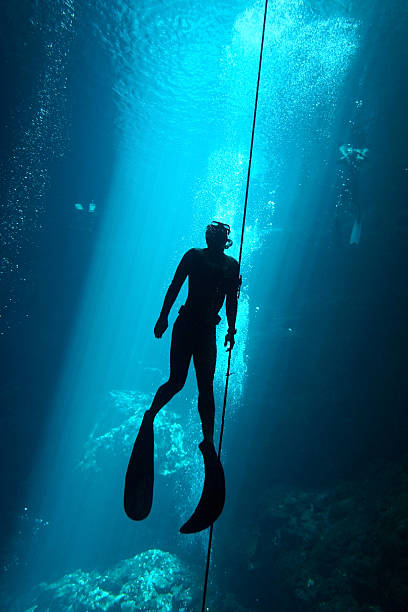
[(210, 276)]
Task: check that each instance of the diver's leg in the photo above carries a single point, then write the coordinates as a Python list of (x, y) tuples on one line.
[(355, 203), (204, 356), (213, 495), (138, 495), (180, 357)]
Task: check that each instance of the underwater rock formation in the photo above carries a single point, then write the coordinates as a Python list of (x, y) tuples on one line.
[(117, 428), (153, 580), (334, 549)]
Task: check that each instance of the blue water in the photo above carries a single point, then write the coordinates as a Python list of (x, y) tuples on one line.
[(126, 129)]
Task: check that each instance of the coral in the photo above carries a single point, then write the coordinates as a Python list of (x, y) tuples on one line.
[(117, 428), (341, 548), (153, 580)]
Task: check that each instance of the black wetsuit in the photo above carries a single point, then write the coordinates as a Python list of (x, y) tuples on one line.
[(211, 277)]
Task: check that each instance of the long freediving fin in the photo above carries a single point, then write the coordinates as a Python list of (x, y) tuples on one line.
[(138, 494), (212, 497)]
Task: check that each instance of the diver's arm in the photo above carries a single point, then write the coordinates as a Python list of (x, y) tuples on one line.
[(171, 295), (231, 306)]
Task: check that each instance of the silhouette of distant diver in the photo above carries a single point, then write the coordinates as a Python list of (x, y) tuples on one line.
[(213, 277), (348, 202)]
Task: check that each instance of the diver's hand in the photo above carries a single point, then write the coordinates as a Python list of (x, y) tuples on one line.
[(161, 326), (230, 338)]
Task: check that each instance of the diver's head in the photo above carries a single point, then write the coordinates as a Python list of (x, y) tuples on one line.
[(216, 236)]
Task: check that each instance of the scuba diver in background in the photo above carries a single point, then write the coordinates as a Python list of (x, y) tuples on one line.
[(348, 200), (213, 277)]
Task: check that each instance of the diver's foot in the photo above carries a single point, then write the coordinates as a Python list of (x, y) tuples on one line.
[(138, 497), (212, 498)]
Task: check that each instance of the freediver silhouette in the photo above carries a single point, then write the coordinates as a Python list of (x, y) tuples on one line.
[(349, 200), (213, 277)]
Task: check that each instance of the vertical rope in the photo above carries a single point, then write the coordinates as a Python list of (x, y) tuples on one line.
[(252, 136), (207, 566)]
